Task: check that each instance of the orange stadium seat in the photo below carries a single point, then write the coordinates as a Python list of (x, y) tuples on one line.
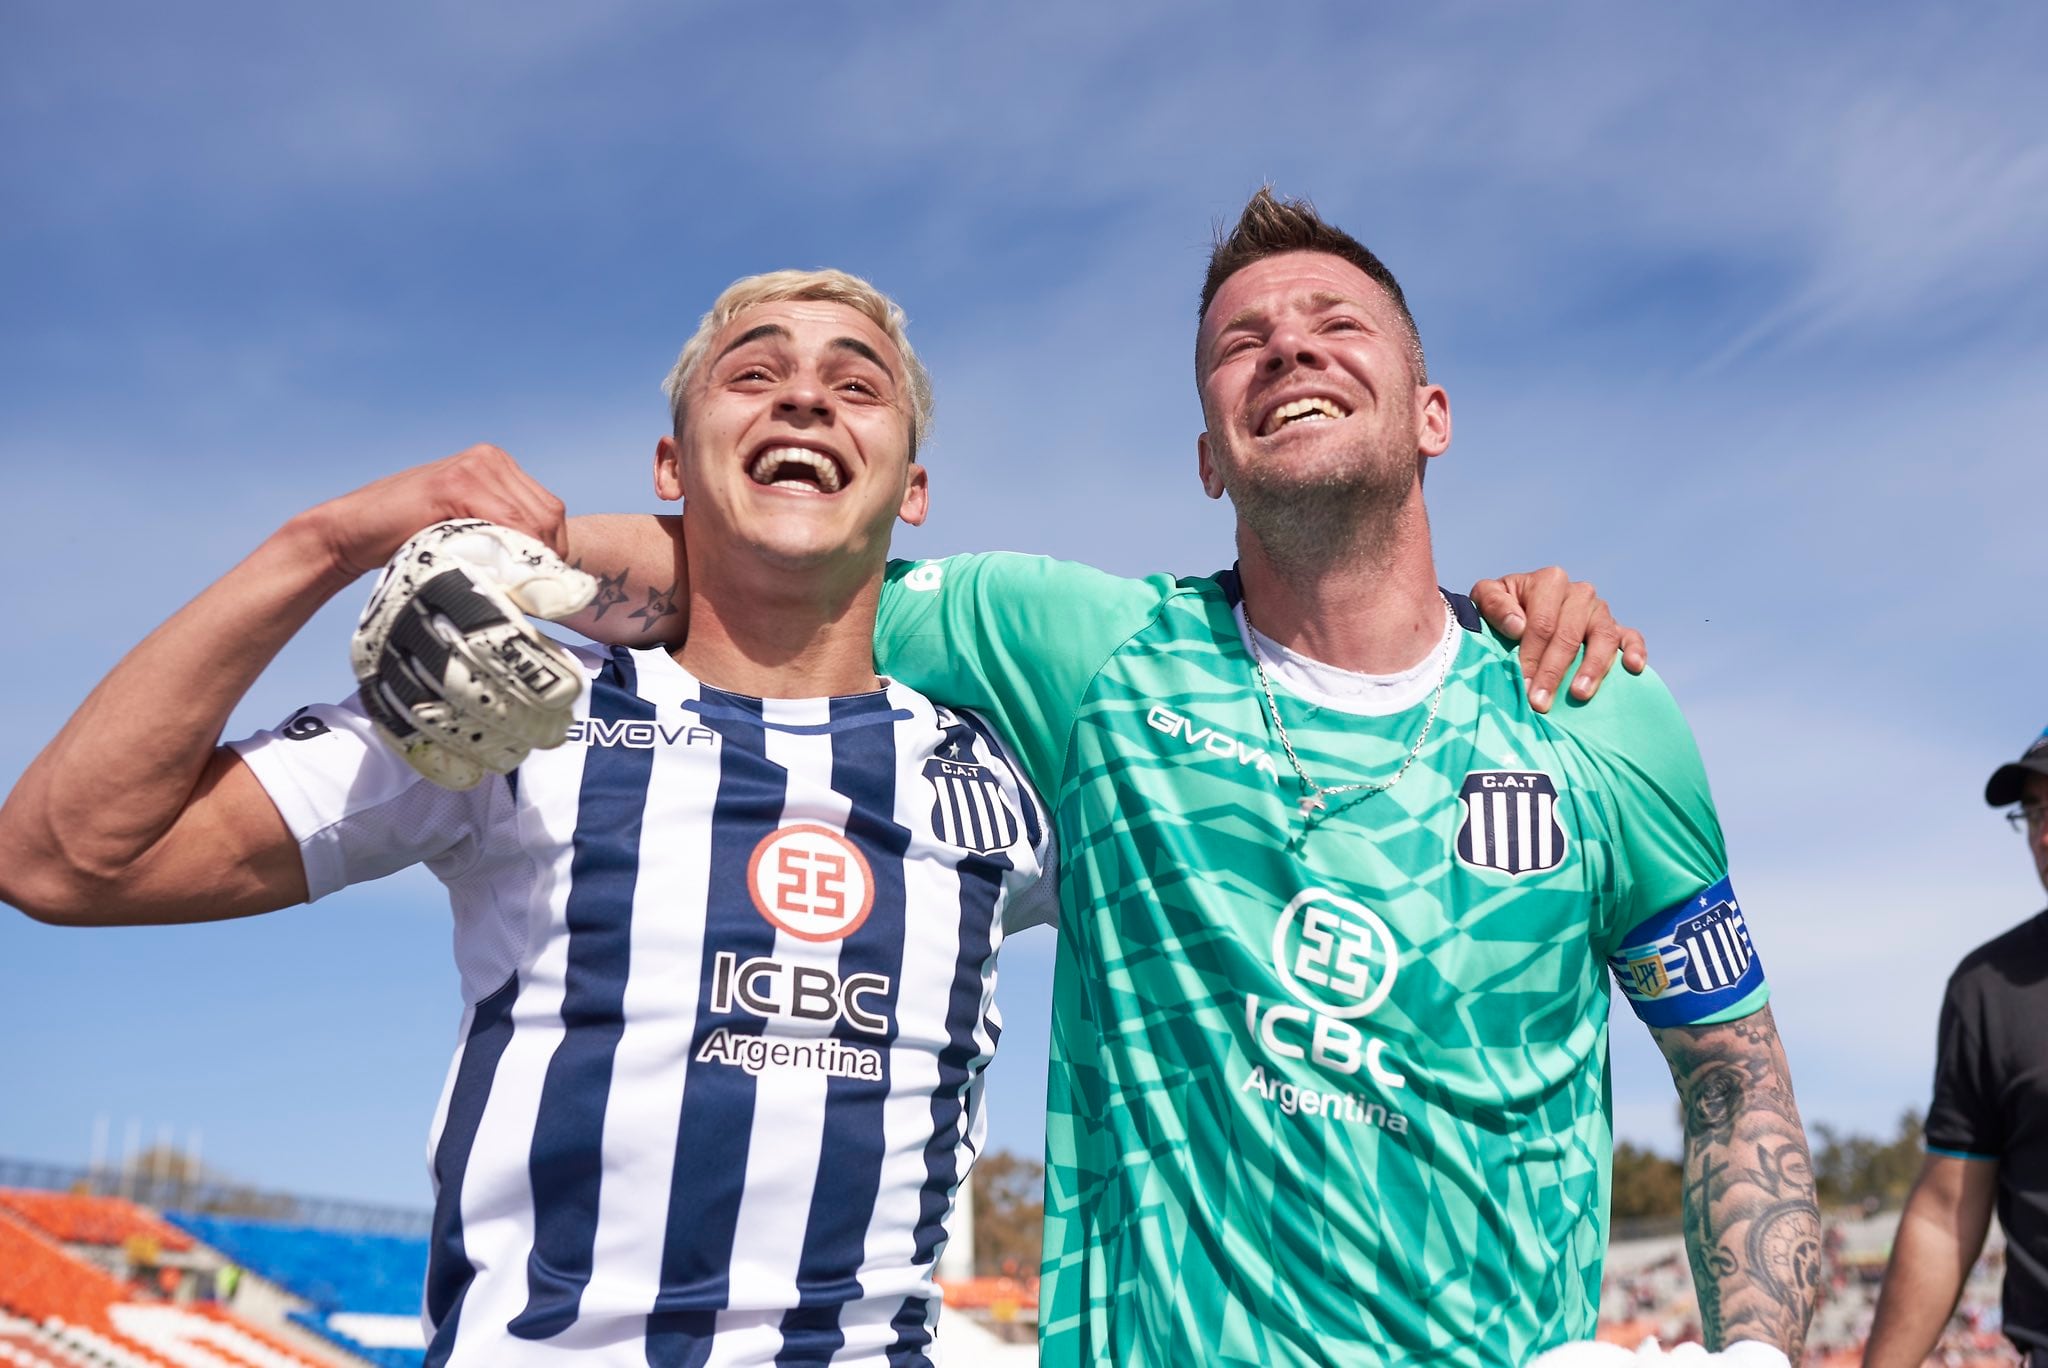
[(53, 1306), (77, 1218), (44, 1282)]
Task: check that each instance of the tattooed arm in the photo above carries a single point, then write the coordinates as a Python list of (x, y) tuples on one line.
[(1751, 1226), (643, 586)]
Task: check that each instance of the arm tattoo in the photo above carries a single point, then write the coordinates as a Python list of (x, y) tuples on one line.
[(660, 603), (1751, 1226), (611, 592)]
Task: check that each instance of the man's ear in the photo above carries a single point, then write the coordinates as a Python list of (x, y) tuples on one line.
[(668, 469), (1432, 421), (1212, 479), (917, 496)]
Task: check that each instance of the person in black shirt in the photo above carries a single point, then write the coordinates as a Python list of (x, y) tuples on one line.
[(1987, 1130)]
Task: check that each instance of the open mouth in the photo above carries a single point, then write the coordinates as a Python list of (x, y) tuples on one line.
[(797, 468), (1311, 410)]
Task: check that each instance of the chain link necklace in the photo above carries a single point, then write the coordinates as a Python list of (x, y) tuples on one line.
[(1313, 800)]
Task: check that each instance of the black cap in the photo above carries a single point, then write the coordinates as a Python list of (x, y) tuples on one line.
[(2009, 781)]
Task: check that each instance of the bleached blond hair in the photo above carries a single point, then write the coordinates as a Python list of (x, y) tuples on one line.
[(832, 287)]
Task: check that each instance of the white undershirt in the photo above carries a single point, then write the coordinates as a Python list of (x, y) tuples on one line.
[(1327, 686)]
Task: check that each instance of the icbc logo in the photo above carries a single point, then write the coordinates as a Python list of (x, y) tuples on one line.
[(811, 881), (1333, 954), (1337, 960)]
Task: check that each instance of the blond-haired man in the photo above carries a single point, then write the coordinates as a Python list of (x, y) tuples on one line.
[(728, 955)]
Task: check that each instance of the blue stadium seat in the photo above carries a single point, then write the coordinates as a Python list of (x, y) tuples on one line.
[(335, 1271)]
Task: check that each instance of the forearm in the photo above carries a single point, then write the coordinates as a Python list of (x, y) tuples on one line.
[(1752, 1227), (1940, 1235), (115, 779), (1920, 1292), (643, 585)]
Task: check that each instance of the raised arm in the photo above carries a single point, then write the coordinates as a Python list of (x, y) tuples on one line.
[(1941, 1232), (1752, 1228), (131, 815), (643, 584), (644, 593)]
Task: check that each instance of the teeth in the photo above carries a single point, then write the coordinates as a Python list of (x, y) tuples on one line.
[(1299, 409), (787, 466)]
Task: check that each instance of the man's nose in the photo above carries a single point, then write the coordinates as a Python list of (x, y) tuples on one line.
[(1291, 346), (804, 396)]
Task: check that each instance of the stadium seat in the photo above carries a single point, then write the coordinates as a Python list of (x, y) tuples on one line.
[(77, 1218)]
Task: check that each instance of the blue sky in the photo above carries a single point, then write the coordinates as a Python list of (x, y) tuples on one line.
[(1742, 312)]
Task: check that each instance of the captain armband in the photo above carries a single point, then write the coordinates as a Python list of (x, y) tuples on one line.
[(1689, 962)]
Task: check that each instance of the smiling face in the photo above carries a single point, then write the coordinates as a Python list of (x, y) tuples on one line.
[(795, 437), (1310, 392)]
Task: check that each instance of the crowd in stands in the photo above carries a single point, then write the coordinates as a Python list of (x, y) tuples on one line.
[(1648, 1291), (109, 1282)]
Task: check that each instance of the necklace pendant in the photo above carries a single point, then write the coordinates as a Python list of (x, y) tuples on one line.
[(1312, 803)]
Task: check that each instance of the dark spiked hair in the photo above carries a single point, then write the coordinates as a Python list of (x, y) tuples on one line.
[(1271, 225)]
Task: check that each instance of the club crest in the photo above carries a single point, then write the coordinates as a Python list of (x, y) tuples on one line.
[(1510, 822), (970, 811), (1717, 948)]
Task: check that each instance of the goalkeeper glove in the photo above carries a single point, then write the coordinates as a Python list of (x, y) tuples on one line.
[(452, 674)]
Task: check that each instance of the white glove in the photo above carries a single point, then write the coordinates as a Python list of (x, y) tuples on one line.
[(453, 675), (1596, 1354)]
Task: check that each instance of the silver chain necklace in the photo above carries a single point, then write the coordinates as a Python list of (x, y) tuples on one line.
[(1313, 800)]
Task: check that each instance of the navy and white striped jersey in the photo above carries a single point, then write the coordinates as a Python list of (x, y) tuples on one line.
[(729, 974)]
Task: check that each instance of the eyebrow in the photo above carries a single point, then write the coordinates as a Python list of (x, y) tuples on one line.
[(852, 344), (860, 348), (753, 334), (1321, 299)]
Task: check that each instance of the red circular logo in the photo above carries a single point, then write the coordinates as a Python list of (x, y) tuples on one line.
[(811, 881)]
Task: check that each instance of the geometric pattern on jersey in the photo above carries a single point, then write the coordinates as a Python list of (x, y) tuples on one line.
[(731, 992), (1324, 1087)]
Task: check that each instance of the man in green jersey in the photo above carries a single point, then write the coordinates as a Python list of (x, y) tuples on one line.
[(1329, 1078)]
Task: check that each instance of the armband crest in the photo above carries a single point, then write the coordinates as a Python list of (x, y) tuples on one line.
[(1689, 961)]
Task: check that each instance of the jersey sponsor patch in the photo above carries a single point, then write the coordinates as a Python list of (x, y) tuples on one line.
[(811, 881), (1334, 955), (969, 810), (1689, 961), (1510, 822)]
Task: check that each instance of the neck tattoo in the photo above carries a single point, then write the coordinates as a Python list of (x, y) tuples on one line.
[(1313, 799)]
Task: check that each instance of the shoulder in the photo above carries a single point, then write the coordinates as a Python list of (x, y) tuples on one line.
[(1632, 725), (2017, 959), (1619, 713), (1011, 571)]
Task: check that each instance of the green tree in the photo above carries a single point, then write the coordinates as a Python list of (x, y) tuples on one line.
[(1647, 1186), (1851, 1169), (1009, 1214)]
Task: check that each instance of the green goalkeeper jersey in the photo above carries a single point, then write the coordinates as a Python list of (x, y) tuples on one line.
[(1326, 1087)]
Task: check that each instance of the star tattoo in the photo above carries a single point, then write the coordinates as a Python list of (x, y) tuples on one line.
[(610, 593), (660, 603)]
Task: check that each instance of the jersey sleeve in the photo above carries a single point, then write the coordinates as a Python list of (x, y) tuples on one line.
[(356, 809), (1677, 940), (1017, 638), (1963, 1119)]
